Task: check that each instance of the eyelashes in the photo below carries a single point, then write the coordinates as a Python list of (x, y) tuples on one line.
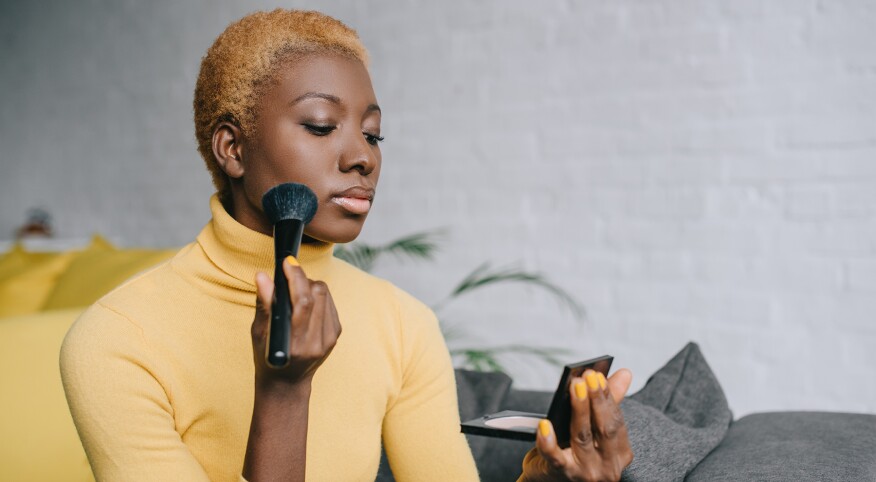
[(319, 130), (326, 129), (372, 139)]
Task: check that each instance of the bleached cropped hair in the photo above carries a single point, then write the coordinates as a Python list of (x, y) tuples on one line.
[(244, 60)]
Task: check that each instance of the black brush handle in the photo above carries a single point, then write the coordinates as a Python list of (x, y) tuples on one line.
[(287, 240)]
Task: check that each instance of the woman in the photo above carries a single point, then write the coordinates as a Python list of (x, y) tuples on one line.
[(166, 376)]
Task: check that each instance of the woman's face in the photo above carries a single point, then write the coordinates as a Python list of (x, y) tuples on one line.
[(319, 125)]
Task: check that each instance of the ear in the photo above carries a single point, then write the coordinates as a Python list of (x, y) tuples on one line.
[(228, 149)]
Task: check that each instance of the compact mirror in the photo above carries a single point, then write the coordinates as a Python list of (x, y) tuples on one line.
[(516, 425)]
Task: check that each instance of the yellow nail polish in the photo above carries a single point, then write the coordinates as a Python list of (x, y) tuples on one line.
[(602, 381), (592, 380), (581, 390), (292, 261), (544, 427)]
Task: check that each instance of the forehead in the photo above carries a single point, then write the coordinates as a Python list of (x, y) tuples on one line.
[(343, 77)]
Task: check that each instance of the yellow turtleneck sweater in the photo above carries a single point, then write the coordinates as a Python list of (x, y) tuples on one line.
[(159, 373)]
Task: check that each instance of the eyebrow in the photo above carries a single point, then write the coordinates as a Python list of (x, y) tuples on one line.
[(331, 98), (316, 95)]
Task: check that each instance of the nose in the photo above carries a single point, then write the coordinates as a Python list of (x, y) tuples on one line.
[(359, 155)]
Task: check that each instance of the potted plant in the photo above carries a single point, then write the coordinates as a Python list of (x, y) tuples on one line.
[(422, 246)]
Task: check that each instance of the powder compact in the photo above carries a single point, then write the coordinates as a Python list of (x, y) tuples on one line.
[(516, 425)]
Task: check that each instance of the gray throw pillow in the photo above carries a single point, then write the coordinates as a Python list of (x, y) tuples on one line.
[(676, 419)]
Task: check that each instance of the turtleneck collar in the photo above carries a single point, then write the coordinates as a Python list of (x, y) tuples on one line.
[(240, 252)]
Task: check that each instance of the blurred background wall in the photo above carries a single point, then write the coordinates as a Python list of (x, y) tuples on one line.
[(688, 169)]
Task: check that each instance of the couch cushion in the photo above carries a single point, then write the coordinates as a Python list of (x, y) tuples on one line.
[(27, 278), (99, 269), (39, 439), (480, 393), (794, 446)]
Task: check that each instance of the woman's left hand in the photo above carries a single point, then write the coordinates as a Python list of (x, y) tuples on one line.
[(599, 448)]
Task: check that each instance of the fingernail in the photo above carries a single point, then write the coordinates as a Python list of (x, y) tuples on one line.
[(581, 390), (602, 381), (292, 261), (592, 380), (544, 427)]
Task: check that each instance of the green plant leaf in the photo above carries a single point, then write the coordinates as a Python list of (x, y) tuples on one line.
[(451, 332), (483, 276), (486, 359), (359, 255), (417, 246), (479, 360), (423, 246)]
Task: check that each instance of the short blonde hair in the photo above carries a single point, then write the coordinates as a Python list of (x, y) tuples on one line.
[(244, 59)]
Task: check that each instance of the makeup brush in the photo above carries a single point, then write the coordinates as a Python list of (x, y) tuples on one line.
[(289, 207)]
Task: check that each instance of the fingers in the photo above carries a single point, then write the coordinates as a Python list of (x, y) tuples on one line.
[(609, 428), (315, 325), (264, 291), (619, 384), (580, 431), (607, 417), (318, 291), (332, 326), (599, 447), (264, 295), (300, 294), (582, 454), (553, 459)]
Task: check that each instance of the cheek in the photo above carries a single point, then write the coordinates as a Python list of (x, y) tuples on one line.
[(255, 182), (288, 161)]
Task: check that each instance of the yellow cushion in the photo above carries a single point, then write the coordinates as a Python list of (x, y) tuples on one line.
[(27, 279), (99, 269), (39, 439)]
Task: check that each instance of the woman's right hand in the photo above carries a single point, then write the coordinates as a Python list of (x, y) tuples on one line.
[(315, 327), (277, 444)]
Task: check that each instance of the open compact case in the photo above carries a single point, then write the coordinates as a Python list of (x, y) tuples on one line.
[(516, 425)]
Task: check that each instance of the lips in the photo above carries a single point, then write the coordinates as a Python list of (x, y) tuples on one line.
[(356, 200)]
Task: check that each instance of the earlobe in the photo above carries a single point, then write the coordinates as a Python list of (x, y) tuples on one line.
[(228, 149)]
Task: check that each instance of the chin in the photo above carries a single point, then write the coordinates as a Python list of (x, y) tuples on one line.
[(339, 235)]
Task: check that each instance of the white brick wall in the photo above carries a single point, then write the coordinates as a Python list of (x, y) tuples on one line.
[(690, 169)]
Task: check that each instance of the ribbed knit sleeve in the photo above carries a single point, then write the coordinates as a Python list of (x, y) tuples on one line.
[(120, 408), (421, 430)]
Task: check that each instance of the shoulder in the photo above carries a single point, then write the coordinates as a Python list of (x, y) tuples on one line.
[(97, 335), (157, 279), (148, 294), (115, 322)]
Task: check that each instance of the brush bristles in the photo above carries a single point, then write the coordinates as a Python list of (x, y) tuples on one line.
[(289, 201)]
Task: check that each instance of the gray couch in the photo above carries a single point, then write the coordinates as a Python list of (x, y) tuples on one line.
[(779, 446), (775, 447)]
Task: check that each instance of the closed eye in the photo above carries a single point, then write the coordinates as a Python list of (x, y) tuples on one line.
[(372, 139), (319, 130)]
